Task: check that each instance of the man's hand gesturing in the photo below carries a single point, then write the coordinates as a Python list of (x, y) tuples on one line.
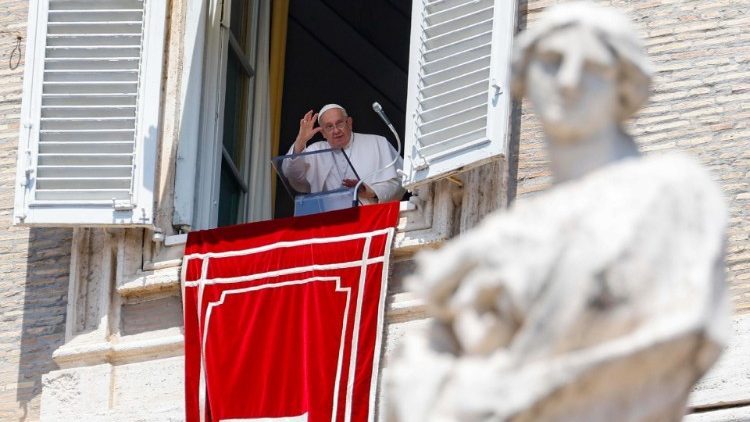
[(306, 131), (364, 191)]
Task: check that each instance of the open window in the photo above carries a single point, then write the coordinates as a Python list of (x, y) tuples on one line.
[(89, 117), (440, 69), (348, 52)]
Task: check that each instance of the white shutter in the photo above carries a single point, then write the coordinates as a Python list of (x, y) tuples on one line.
[(88, 142), (458, 106)]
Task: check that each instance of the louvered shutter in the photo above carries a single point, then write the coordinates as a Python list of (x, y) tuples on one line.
[(458, 103), (88, 142)]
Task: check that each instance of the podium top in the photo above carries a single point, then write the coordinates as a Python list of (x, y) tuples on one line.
[(295, 171)]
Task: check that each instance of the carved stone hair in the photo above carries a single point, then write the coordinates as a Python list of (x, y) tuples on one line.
[(612, 28)]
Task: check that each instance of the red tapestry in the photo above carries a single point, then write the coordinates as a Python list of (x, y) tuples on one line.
[(284, 318)]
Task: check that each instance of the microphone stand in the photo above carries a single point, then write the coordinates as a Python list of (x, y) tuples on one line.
[(377, 108)]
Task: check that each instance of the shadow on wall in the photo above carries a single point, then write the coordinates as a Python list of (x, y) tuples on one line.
[(515, 118), (43, 318)]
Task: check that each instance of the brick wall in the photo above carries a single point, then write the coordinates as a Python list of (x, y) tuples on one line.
[(700, 104), (33, 263)]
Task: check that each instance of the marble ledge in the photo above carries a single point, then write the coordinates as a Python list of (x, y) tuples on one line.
[(404, 306), (165, 275), (77, 353), (400, 306), (150, 282), (90, 350), (404, 208)]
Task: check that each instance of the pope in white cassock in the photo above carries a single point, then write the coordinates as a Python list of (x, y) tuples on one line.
[(368, 154)]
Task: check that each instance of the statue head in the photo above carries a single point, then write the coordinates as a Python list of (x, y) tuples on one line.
[(582, 66)]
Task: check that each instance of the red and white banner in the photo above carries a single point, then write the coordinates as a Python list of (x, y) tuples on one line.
[(284, 318)]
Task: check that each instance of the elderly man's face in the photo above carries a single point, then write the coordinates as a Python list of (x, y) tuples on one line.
[(572, 84), (337, 128)]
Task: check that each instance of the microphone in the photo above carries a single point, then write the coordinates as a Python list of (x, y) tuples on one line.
[(377, 108)]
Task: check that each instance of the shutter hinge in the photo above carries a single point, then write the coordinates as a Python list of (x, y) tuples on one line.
[(402, 174), (144, 219), (420, 163), (496, 86), (498, 90), (26, 181), (29, 169), (122, 205)]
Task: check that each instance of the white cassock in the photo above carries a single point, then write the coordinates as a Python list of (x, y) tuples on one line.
[(326, 171)]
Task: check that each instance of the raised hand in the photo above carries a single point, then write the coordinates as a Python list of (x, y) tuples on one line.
[(307, 130)]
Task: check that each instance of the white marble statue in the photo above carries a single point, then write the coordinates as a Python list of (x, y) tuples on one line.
[(601, 299)]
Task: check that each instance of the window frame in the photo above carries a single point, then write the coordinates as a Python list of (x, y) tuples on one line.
[(426, 219), (200, 149)]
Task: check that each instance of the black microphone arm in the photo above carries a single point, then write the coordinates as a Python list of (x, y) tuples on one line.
[(377, 108)]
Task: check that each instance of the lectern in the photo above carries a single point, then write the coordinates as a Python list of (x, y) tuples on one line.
[(298, 188)]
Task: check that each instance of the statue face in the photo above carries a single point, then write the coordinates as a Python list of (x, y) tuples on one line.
[(572, 84)]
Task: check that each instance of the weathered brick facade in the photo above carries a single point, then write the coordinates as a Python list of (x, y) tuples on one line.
[(34, 263), (700, 104)]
